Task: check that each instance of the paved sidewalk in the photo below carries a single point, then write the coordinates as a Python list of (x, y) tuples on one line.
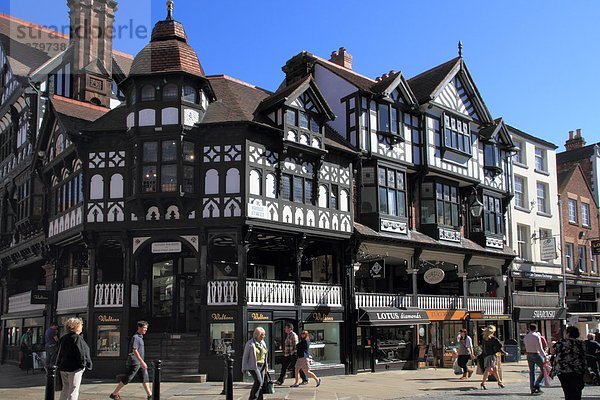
[(435, 384)]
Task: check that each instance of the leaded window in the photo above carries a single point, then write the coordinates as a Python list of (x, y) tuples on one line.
[(447, 204), (457, 135)]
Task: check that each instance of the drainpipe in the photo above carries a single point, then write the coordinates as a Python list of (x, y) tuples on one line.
[(563, 289)]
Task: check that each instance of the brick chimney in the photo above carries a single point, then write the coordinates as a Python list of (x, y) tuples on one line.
[(91, 23), (342, 58), (575, 140)]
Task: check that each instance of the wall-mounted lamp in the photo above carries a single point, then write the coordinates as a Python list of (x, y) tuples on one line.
[(475, 206), (581, 235), (356, 267)]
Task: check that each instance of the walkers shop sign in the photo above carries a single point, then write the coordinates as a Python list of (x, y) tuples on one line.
[(535, 313)]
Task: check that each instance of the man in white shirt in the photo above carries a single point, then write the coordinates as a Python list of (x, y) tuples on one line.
[(535, 356)]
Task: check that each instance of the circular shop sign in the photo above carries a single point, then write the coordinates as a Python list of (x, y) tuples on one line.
[(434, 276)]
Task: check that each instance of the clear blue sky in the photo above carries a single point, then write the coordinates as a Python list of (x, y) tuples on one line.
[(536, 63)]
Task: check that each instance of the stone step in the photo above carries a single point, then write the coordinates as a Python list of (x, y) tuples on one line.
[(190, 378)]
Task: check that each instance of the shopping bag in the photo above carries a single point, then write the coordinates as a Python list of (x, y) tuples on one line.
[(268, 385), (547, 374), (457, 368)]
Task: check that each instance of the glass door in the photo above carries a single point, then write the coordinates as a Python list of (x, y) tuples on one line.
[(164, 286)]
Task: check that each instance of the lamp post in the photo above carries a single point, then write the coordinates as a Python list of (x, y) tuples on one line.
[(350, 318)]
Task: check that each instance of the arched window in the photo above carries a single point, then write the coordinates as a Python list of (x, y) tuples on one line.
[(255, 182), (97, 187), (344, 197), (116, 186), (211, 182), (190, 94), (170, 92), (232, 181), (271, 187), (323, 196), (148, 93)]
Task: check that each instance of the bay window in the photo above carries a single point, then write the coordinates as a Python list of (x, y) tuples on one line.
[(457, 135), (392, 192), (443, 208)]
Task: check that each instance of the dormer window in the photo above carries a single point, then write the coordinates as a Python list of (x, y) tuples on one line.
[(303, 120), (388, 119), (457, 136), (148, 93)]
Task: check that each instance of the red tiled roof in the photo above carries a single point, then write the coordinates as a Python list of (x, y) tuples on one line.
[(77, 109)]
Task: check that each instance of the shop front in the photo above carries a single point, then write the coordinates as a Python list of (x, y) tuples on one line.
[(325, 329), (107, 339), (222, 327), (478, 321), (549, 322), (388, 338), (442, 334)]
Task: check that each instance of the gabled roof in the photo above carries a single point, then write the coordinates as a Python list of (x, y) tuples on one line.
[(429, 84), (497, 129), (236, 100), (290, 93), (581, 153), (114, 120)]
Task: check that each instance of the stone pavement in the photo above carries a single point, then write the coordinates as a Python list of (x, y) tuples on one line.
[(439, 384)]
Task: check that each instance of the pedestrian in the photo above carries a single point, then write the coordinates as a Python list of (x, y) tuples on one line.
[(254, 361), (569, 364), (290, 355), (135, 362), (488, 358), (73, 359), (536, 356), (465, 353), (51, 343), (592, 354), (25, 349), (303, 350)]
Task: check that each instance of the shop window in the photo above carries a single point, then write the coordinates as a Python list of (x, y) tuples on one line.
[(457, 135), (162, 288), (395, 344), (325, 342), (221, 338), (108, 342)]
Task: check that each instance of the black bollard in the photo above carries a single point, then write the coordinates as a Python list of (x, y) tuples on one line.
[(229, 391), (224, 391), (50, 376), (156, 381)]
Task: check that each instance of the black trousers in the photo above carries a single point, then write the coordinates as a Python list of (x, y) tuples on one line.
[(572, 385), (462, 361), (289, 362)]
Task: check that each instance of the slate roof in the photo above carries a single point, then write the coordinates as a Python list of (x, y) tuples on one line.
[(114, 120), (420, 239), (581, 153), (424, 84), (236, 100), (75, 115), (168, 51)]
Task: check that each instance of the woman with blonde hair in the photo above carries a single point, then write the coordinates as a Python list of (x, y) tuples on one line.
[(488, 358), (73, 358), (254, 361), (302, 349)]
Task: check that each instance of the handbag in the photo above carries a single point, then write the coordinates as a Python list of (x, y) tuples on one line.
[(58, 383), (588, 377), (268, 385), (457, 368)]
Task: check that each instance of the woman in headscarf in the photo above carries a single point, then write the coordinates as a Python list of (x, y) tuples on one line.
[(490, 346), (254, 361)]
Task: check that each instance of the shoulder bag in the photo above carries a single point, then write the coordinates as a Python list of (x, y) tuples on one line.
[(58, 383), (268, 384)]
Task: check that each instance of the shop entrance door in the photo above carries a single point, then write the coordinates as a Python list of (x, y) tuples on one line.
[(364, 341)]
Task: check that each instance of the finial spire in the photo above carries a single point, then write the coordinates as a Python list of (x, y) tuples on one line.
[(460, 49), (170, 9)]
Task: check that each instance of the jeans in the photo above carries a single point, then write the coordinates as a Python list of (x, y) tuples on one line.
[(256, 393), (290, 361), (533, 360), (462, 361), (71, 382), (572, 385)]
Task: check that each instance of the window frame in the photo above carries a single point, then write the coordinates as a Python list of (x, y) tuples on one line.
[(572, 211), (544, 198), (493, 214), (385, 187), (569, 251), (523, 193), (523, 242), (541, 157), (449, 130), (520, 156), (582, 259), (586, 219), (398, 124)]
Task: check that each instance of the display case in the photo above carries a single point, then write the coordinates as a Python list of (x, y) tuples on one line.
[(108, 342), (325, 342), (221, 338), (395, 344)]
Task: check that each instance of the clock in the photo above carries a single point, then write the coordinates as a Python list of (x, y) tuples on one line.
[(190, 117)]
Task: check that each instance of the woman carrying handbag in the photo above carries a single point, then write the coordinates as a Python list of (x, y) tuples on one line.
[(73, 359)]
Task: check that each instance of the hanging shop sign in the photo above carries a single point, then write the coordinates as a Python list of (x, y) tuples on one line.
[(259, 316), (41, 297), (166, 247), (596, 247), (222, 316), (433, 276), (548, 249), (108, 318)]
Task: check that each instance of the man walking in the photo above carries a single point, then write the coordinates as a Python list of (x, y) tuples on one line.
[(135, 362), (290, 354), (465, 353), (51, 343), (535, 356), (592, 354)]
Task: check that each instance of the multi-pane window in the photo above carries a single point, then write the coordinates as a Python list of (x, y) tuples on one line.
[(188, 155), (170, 92), (302, 119), (190, 94), (388, 118), (542, 197), (582, 263), (491, 156), (333, 197), (540, 159), (286, 187), (447, 204), (297, 189), (573, 211), (569, 256), (523, 238), (457, 134), (411, 127), (392, 192), (68, 193), (519, 156), (148, 93), (492, 214), (159, 164), (520, 192), (593, 266), (24, 199), (585, 214)]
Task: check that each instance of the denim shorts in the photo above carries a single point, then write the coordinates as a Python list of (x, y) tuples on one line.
[(132, 371)]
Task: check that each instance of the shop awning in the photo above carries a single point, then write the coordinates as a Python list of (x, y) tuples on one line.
[(539, 313), (391, 316)]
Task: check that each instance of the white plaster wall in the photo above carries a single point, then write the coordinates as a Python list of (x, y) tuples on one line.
[(333, 88)]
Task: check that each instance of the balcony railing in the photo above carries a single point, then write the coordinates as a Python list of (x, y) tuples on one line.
[(222, 292), (439, 302), (319, 294), (72, 298), (379, 300), (22, 302), (272, 293), (535, 299), (487, 305), (111, 295)]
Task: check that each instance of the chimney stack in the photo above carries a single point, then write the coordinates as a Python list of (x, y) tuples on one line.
[(575, 140), (342, 58), (91, 23)]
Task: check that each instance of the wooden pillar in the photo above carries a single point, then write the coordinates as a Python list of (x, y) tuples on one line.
[(414, 271)]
